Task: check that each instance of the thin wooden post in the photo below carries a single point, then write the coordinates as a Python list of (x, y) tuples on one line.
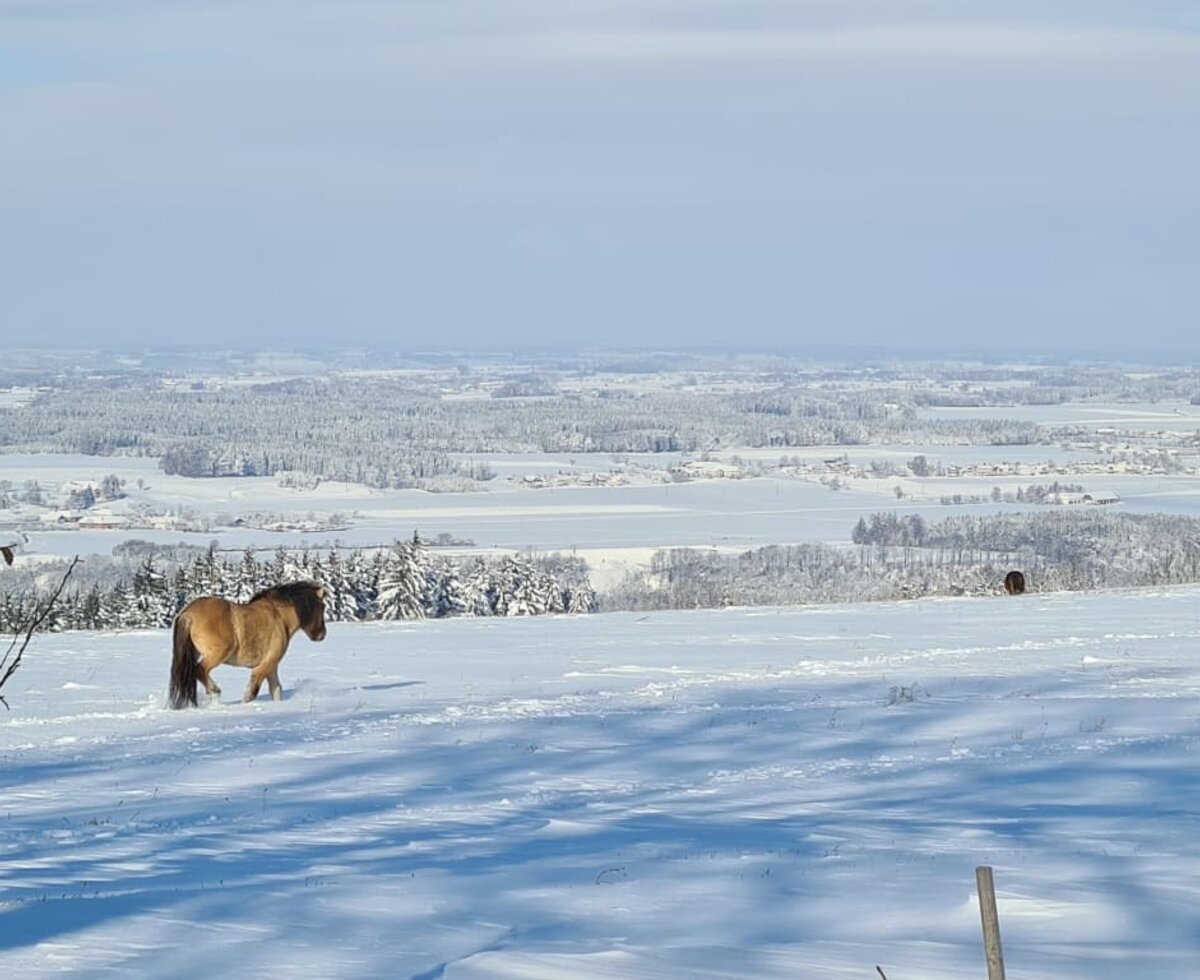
[(991, 922)]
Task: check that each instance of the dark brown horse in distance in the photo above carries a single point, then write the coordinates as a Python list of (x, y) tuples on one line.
[(211, 631), (10, 545), (1014, 583)]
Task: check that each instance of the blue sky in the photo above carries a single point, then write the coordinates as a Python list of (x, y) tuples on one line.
[(757, 173)]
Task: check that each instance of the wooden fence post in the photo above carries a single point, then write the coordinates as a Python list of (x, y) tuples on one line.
[(991, 922)]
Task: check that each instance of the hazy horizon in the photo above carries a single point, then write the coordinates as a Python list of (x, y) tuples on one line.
[(890, 177), (306, 358)]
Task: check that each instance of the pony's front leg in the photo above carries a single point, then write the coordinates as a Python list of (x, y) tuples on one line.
[(274, 685), (252, 688)]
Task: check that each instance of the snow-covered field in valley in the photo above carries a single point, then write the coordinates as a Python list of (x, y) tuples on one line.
[(800, 793)]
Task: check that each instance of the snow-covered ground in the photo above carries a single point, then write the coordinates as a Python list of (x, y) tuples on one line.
[(770, 793), (1133, 416), (613, 528)]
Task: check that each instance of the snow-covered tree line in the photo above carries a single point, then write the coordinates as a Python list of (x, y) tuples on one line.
[(901, 556), (1106, 547), (406, 581), (420, 428), (381, 432)]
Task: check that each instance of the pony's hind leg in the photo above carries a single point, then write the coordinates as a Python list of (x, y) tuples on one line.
[(205, 672)]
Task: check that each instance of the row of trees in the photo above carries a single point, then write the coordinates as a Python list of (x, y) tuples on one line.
[(902, 556), (80, 497), (406, 581), (1115, 548), (898, 556)]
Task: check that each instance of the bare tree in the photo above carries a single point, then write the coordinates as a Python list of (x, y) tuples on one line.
[(24, 632)]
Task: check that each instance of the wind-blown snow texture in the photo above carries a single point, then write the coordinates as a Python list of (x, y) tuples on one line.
[(772, 793)]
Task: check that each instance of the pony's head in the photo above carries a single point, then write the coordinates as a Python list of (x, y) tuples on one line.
[(308, 599), (312, 614)]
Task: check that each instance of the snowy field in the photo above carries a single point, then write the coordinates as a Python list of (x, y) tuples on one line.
[(1165, 415), (799, 793), (613, 528)]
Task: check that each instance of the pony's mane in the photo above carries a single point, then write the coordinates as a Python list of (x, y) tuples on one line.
[(301, 595)]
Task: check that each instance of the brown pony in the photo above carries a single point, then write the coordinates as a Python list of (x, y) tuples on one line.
[(211, 631), (1014, 583)]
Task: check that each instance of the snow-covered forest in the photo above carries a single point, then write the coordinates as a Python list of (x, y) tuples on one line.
[(405, 581), (412, 426), (387, 432)]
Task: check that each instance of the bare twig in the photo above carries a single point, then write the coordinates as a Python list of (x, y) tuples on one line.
[(24, 633), (879, 970)]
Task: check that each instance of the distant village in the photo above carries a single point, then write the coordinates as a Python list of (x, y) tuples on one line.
[(104, 505)]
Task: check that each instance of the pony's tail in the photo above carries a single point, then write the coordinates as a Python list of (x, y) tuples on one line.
[(185, 667)]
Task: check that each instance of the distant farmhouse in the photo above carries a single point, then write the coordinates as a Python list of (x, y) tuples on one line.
[(1094, 497)]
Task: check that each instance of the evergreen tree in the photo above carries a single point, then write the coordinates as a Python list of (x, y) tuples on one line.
[(362, 575), (860, 535), (206, 575), (151, 599), (89, 608), (479, 590), (447, 593), (402, 586), (249, 578), (341, 605), (118, 608), (580, 598), (518, 591), (279, 570)]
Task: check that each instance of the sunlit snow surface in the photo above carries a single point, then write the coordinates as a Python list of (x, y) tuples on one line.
[(800, 793)]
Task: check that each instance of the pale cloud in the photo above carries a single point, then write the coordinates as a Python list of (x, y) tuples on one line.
[(672, 170)]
